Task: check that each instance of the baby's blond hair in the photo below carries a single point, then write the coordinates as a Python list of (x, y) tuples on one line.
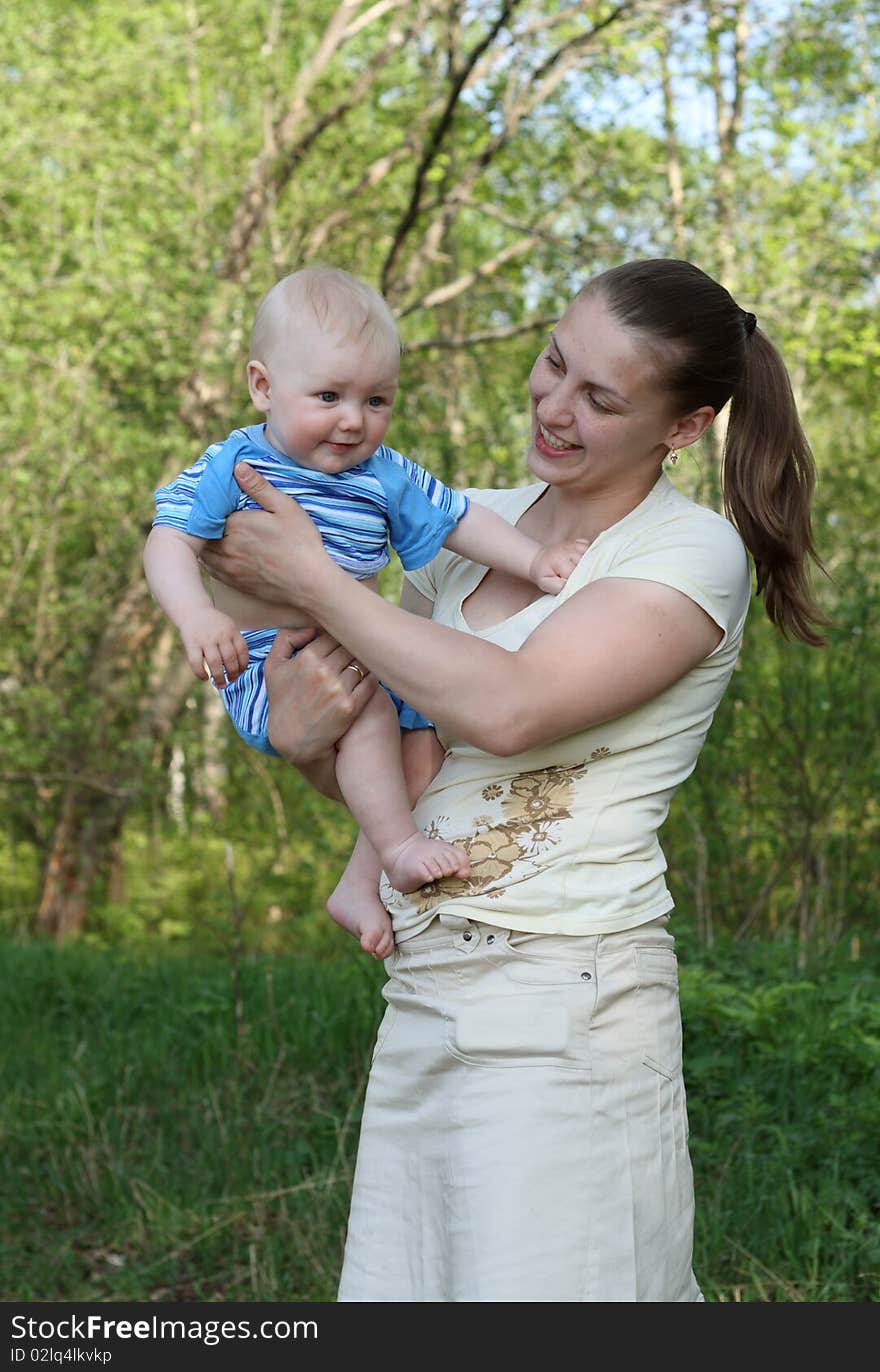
[(344, 306)]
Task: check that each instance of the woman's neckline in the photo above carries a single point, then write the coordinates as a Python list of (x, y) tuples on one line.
[(659, 486), (489, 628)]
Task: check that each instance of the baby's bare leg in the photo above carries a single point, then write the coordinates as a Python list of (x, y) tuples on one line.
[(423, 755), (369, 769), (355, 903)]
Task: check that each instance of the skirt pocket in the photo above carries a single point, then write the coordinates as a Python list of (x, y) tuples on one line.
[(533, 1026), (658, 1009)]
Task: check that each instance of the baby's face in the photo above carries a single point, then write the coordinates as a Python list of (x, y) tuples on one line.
[(328, 401)]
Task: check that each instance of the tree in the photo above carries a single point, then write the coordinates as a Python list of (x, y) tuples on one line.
[(477, 162), (170, 194)]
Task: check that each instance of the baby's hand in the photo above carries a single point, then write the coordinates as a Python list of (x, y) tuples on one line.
[(552, 566), (214, 646)]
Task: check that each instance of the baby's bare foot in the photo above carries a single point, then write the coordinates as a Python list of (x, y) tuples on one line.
[(360, 912), (418, 860)]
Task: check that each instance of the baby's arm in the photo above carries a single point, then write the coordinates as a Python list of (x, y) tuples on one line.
[(210, 638), (485, 537)]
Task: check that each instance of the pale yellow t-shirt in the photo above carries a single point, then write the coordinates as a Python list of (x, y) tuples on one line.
[(563, 839)]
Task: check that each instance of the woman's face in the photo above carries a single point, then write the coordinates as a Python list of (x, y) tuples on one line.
[(601, 420)]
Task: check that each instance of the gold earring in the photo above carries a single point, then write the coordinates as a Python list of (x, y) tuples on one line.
[(673, 456)]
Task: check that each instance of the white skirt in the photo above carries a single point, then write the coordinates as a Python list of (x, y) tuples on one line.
[(525, 1131)]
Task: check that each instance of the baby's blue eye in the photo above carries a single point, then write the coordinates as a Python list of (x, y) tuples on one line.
[(329, 396), (376, 401)]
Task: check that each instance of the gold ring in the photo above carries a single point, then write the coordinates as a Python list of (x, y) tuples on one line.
[(356, 667)]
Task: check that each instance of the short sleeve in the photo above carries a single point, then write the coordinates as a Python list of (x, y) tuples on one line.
[(422, 512), (702, 556), (426, 579), (200, 498)]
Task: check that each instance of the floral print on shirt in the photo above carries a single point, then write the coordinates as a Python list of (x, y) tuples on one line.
[(519, 819)]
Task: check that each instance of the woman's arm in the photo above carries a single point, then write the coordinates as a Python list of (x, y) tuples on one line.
[(613, 646)]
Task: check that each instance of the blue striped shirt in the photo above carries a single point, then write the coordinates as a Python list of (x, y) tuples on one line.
[(357, 512)]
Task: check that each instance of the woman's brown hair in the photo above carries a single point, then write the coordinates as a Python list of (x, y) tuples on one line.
[(710, 351)]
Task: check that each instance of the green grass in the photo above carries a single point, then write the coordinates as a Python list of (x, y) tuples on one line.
[(158, 1146), (152, 1151)]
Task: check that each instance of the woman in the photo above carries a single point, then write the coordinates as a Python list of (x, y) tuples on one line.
[(525, 1132)]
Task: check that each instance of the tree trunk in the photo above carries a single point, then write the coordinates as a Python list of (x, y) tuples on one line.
[(728, 94), (673, 160), (82, 846), (91, 819)]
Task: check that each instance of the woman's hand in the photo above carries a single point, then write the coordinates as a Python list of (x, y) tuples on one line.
[(313, 698), (270, 554)]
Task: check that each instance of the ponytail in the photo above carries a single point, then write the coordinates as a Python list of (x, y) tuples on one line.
[(767, 480), (710, 351)]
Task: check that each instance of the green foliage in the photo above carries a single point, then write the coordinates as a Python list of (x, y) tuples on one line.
[(777, 829), (129, 139), (783, 1081)]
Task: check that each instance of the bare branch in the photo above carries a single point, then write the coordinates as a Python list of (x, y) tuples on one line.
[(456, 342), (550, 21), (332, 40), (271, 169), (533, 235), (516, 225), (196, 133), (435, 141), (375, 173), (443, 294), (37, 779), (574, 45), (374, 12), (520, 102)]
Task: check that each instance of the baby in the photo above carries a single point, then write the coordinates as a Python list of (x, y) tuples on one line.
[(325, 357)]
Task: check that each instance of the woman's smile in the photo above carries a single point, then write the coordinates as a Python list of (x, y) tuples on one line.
[(550, 444)]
